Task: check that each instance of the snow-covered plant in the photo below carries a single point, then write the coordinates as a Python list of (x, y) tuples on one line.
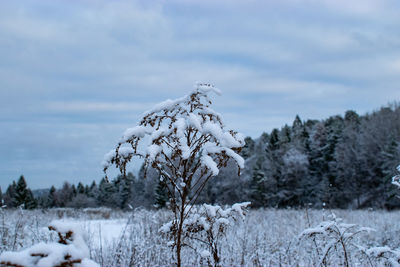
[(185, 141), (385, 256), (396, 178), (333, 237), (70, 251), (206, 224)]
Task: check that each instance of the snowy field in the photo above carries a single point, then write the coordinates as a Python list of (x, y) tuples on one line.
[(265, 238)]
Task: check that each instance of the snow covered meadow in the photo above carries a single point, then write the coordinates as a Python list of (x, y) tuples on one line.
[(266, 237)]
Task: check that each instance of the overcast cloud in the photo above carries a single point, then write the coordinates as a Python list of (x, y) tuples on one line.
[(75, 74)]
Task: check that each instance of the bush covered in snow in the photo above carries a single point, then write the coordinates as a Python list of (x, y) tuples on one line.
[(185, 141), (69, 251), (206, 225), (333, 239)]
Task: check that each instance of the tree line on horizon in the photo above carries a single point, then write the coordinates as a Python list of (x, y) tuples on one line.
[(340, 162)]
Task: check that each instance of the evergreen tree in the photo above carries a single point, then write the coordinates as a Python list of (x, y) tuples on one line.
[(106, 196), (125, 190), (161, 195), (273, 143), (9, 196), (23, 195), (64, 195), (30, 201), (257, 187), (51, 198), (21, 192), (285, 135), (74, 191), (317, 187), (297, 125), (87, 189), (390, 158), (93, 190), (294, 172), (80, 189), (248, 149)]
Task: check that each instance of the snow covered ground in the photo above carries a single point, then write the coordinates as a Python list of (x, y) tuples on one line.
[(266, 237)]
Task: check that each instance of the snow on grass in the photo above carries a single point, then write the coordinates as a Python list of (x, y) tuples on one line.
[(266, 236)]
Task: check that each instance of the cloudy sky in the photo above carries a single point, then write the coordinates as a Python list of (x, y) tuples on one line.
[(75, 74)]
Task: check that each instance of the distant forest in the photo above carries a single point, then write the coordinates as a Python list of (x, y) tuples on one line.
[(340, 162)]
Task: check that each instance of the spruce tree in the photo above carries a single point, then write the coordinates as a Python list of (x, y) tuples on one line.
[(74, 191), (64, 195), (125, 190), (80, 188), (161, 195), (87, 189), (9, 196), (297, 125), (93, 190), (23, 195), (51, 198), (273, 143), (248, 149), (258, 189), (21, 192), (30, 201), (106, 194)]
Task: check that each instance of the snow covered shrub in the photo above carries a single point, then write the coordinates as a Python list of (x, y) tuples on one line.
[(385, 256), (333, 238), (70, 251), (185, 141), (206, 224)]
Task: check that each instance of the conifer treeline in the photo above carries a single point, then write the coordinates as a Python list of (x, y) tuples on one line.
[(341, 162), (18, 195), (120, 193)]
